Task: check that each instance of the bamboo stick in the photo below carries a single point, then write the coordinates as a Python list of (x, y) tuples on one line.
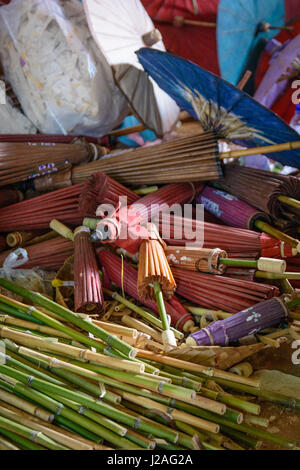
[(84, 354), (26, 406), (59, 435), (71, 317), (208, 371), (144, 314), (186, 418)]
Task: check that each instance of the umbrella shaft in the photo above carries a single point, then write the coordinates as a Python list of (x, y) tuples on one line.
[(161, 306), (261, 150)]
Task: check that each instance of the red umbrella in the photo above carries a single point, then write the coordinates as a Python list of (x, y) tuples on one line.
[(166, 10), (88, 296), (221, 292), (125, 227), (69, 205), (50, 254), (112, 265), (239, 243), (193, 42)]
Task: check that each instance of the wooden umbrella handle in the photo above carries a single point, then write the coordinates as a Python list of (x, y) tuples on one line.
[(263, 150)]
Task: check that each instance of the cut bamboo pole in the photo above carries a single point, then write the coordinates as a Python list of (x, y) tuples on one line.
[(29, 433), (64, 412), (71, 351), (140, 326), (26, 406), (71, 317), (208, 371), (143, 313), (186, 418), (57, 434)]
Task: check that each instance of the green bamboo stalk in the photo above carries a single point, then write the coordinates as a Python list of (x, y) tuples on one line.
[(236, 402), (266, 395), (140, 440), (161, 306), (286, 275), (6, 309), (7, 445), (50, 321), (131, 378), (166, 432), (106, 422), (30, 434), (243, 428), (241, 438), (77, 429), (26, 444), (72, 317), (60, 410), (86, 400)]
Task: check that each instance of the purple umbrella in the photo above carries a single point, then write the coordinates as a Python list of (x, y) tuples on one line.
[(276, 78), (247, 322), (230, 209)]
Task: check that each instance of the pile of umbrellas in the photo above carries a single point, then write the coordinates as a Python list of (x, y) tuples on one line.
[(136, 283)]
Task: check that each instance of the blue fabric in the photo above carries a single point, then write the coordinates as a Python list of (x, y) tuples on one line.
[(173, 74), (131, 121), (236, 27)]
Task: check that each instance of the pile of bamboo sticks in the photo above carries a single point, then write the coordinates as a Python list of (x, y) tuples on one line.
[(69, 382)]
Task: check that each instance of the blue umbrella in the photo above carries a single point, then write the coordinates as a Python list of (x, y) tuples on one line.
[(243, 27), (218, 105)]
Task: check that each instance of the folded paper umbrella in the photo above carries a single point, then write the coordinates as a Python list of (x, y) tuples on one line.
[(188, 28), (238, 213), (155, 279), (215, 261), (49, 254), (223, 109), (69, 204), (190, 158), (23, 161), (220, 292), (283, 69), (239, 243), (101, 189), (36, 213), (247, 322), (243, 27), (120, 28), (88, 296), (128, 221), (125, 277), (274, 194)]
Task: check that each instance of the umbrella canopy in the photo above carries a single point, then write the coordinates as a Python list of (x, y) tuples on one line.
[(218, 105), (120, 28), (241, 31), (274, 46), (283, 68), (191, 41), (166, 10)]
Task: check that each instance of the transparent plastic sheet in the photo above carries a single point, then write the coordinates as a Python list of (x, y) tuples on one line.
[(35, 279), (62, 80), (12, 121)]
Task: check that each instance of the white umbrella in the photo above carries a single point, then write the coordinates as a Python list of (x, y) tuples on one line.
[(120, 28)]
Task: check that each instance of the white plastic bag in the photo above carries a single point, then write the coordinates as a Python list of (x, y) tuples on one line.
[(12, 121), (60, 77)]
